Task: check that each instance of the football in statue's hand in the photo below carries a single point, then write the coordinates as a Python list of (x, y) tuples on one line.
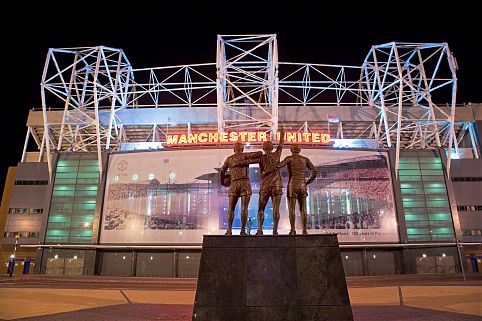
[(226, 181)]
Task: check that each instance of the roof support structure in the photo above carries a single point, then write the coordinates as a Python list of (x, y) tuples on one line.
[(247, 82), (398, 83), (85, 80), (405, 78)]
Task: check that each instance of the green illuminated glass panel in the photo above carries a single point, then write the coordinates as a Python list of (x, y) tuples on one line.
[(434, 166), (88, 175), (434, 190), (408, 172), (411, 217), (432, 160), (57, 233), (439, 217), (92, 168), (431, 172), (419, 237), (57, 219), (404, 166), (86, 188), (410, 178), (84, 193), (418, 231), (57, 193), (65, 181), (73, 202), (67, 163), (418, 224), (424, 198), (405, 160), (83, 219), (439, 178)]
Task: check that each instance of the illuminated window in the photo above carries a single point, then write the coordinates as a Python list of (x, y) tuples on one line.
[(74, 197), (424, 197)]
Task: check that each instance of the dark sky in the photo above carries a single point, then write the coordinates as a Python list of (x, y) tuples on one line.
[(184, 32)]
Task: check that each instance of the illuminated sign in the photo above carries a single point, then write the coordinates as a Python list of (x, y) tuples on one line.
[(203, 138)]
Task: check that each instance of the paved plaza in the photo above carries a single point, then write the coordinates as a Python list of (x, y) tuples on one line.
[(396, 298)]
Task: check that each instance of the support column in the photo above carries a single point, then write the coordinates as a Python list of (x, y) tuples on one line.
[(25, 145)]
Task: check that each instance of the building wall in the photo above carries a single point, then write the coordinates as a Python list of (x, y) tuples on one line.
[(466, 176), (368, 261), (26, 205), (7, 194), (7, 249)]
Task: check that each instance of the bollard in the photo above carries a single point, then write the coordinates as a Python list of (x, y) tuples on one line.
[(11, 266), (26, 266)]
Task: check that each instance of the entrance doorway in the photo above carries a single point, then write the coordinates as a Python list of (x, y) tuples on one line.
[(61, 266)]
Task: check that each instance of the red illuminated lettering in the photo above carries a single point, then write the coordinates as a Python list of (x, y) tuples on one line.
[(202, 137), (325, 138), (233, 136), (262, 137), (316, 137), (246, 136), (192, 139), (243, 136), (172, 139), (223, 138), (213, 137), (291, 137)]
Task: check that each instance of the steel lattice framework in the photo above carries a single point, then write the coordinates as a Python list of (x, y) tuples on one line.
[(84, 80), (247, 81), (397, 84), (399, 78)]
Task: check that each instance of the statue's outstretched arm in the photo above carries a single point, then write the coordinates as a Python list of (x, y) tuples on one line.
[(277, 166), (281, 141), (247, 162)]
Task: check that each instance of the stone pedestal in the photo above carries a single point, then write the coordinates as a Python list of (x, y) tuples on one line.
[(271, 278)]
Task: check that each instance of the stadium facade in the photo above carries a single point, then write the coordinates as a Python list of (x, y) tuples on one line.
[(120, 169)]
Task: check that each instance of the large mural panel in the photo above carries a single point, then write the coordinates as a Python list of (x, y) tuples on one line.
[(174, 196)]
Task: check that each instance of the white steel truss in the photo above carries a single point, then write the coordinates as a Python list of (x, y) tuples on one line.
[(403, 82), (399, 86), (247, 81), (84, 81)]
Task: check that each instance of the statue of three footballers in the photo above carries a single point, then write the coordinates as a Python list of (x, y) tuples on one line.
[(271, 186)]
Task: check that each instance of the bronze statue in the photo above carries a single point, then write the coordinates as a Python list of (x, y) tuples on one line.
[(239, 185), (296, 184), (271, 185)]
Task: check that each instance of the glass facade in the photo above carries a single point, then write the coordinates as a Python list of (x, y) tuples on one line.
[(431, 260), (72, 207), (117, 263), (150, 263), (67, 262), (424, 196), (156, 264)]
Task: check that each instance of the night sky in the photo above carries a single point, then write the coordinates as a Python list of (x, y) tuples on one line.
[(183, 33)]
